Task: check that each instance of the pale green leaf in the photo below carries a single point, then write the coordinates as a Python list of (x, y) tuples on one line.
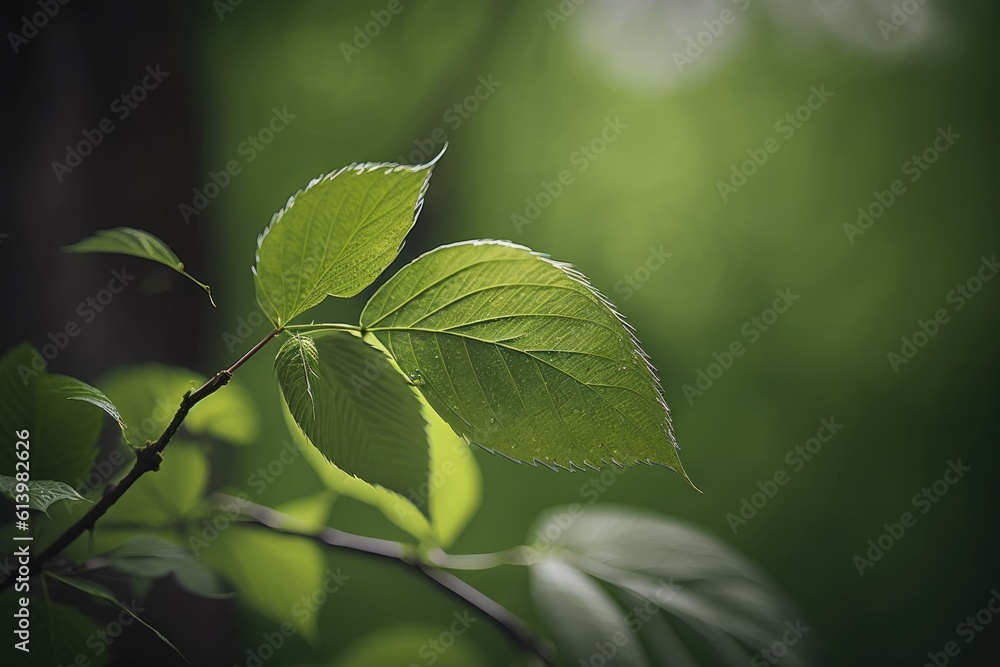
[(102, 593), (455, 483), (356, 409), (309, 514), (62, 433), (41, 493), (164, 497), (148, 396), (137, 243), (521, 355), (584, 618), (231, 416), (279, 576), (405, 644), (77, 390), (455, 488), (725, 604), (336, 236)]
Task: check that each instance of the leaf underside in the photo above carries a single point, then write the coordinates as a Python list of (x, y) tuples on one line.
[(611, 572), (357, 410), (521, 355)]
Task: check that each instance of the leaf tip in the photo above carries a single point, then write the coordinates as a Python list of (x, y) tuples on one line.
[(438, 156), (683, 473)]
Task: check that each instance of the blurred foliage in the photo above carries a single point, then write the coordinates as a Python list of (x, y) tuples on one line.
[(398, 644), (147, 397), (547, 92), (64, 432), (656, 185)]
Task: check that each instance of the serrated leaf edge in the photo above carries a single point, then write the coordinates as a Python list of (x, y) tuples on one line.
[(574, 274), (360, 168)]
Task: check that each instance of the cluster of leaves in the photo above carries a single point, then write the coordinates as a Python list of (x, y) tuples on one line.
[(517, 353), (483, 342), (170, 524), (63, 417)]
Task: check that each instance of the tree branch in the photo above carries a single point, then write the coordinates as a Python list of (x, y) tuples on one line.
[(514, 556), (147, 459), (512, 625)]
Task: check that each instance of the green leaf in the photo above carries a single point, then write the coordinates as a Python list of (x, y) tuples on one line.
[(356, 409), (151, 558), (455, 486), (521, 355), (77, 390), (41, 492), (62, 433), (59, 635), (723, 604), (336, 236), (231, 416), (102, 593), (146, 546), (584, 618), (277, 575), (161, 499), (198, 579), (402, 645), (309, 514), (148, 395), (135, 242)]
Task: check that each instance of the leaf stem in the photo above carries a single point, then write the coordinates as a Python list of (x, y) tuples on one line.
[(232, 369), (147, 460), (512, 625), (513, 556), (331, 325)]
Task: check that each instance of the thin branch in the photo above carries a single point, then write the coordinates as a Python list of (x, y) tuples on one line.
[(254, 350), (512, 625), (147, 460), (313, 327), (514, 556)]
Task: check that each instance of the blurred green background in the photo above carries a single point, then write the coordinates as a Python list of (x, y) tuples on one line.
[(651, 187)]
